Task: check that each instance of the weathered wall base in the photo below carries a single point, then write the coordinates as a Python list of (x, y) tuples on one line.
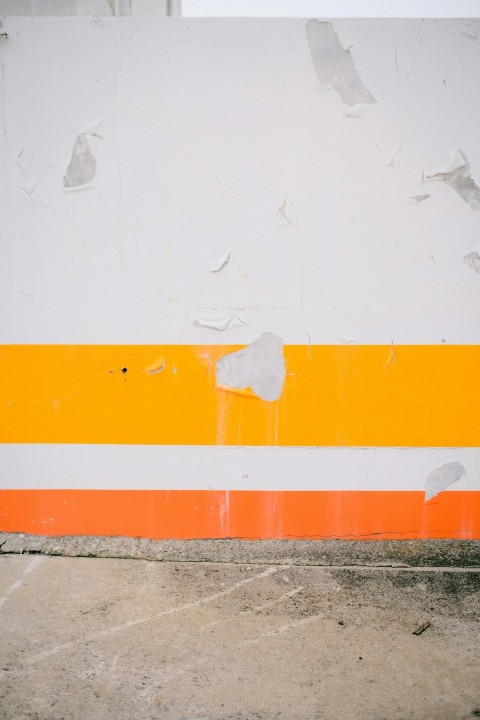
[(388, 553)]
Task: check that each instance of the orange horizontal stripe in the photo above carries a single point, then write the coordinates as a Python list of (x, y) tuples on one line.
[(183, 514), (418, 395)]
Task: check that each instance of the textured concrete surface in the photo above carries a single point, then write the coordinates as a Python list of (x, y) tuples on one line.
[(109, 638), (410, 553)]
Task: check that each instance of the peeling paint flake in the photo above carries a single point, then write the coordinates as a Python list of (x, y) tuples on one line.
[(416, 199), (282, 214), (457, 175), (346, 339), (219, 324), (392, 356), (472, 34), (82, 167), (156, 366), (395, 156), (218, 264), (442, 477), (260, 367), (334, 65), (472, 259)]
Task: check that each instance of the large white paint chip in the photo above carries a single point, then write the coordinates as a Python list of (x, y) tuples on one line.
[(457, 175), (442, 477), (260, 367), (334, 65), (472, 259), (82, 167)]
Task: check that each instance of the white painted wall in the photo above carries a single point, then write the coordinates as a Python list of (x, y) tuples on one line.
[(214, 135), (205, 128)]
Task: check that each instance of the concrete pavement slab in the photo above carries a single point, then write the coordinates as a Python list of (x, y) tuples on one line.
[(116, 638)]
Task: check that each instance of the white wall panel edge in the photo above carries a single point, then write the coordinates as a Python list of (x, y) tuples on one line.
[(330, 8)]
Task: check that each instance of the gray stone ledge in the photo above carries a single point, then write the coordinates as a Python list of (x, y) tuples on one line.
[(374, 553)]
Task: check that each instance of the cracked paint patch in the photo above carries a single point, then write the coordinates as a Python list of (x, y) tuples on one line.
[(334, 65), (457, 175), (82, 167), (416, 199), (346, 339), (219, 324), (442, 477), (472, 259), (260, 367)]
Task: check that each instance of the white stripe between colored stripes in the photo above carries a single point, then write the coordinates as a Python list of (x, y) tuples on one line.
[(181, 467)]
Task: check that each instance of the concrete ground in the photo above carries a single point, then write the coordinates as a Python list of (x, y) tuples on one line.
[(94, 638)]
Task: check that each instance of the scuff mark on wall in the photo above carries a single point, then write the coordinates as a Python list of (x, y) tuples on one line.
[(457, 175), (82, 167), (334, 65), (219, 263), (156, 366), (259, 367), (219, 324), (472, 259), (442, 477), (20, 159)]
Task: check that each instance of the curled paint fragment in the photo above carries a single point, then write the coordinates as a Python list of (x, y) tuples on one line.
[(218, 264), (156, 366), (442, 477), (282, 214), (457, 175), (395, 156), (334, 65), (419, 198), (472, 259), (346, 339), (472, 34), (82, 167), (220, 324), (260, 367), (392, 356)]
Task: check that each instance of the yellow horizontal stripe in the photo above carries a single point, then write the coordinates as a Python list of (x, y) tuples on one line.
[(418, 395)]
